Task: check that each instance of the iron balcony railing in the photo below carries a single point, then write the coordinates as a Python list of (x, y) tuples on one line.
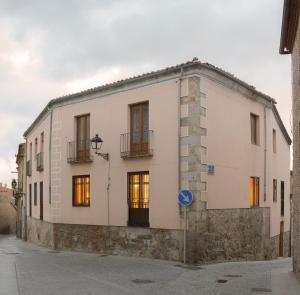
[(79, 151), (136, 144), (29, 168), (40, 161)]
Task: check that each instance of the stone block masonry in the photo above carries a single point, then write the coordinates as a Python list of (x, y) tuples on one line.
[(230, 234), (111, 240)]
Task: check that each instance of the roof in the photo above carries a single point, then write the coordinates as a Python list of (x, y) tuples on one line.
[(289, 27), (194, 64)]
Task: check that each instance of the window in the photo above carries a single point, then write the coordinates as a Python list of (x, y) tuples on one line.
[(274, 141), (139, 127), (83, 136), (30, 200), (30, 151), (42, 142), (35, 146), (274, 190), (254, 191), (282, 198), (35, 194), (41, 201), (81, 190), (138, 199), (254, 122)]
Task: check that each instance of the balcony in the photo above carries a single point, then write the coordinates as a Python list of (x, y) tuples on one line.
[(40, 161), (136, 144), (29, 168), (79, 152)]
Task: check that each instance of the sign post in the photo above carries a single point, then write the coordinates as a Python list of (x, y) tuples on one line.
[(185, 198)]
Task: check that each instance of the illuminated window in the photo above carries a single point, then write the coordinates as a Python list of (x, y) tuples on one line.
[(138, 198), (81, 190), (254, 191), (254, 122)]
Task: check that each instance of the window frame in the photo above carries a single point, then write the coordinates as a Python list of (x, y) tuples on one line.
[(35, 194), (254, 130), (74, 177), (145, 210), (256, 202), (275, 190), (30, 199), (274, 139), (282, 201)]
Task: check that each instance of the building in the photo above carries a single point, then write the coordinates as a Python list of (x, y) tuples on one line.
[(20, 195), (191, 126), (290, 44), (7, 210)]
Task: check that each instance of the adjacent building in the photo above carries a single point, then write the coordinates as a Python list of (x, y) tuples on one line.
[(7, 210), (290, 44), (191, 126), (20, 195)]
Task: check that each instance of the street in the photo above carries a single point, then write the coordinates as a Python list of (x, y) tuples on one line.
[(30, 270)]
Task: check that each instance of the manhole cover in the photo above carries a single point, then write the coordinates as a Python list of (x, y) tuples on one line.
[(102, 255), (190, 267), (142, 281), (266, 290), (232, 276), (221, 281)]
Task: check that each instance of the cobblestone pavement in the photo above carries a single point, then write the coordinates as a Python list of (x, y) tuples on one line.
[(30, 270)]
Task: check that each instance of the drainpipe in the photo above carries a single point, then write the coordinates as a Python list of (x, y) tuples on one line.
[(50, 149), (179, 131), (265, 155)]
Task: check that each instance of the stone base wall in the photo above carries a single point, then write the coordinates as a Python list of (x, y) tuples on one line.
[(115, 240), (40, 232), (233, 234), (229, 235), (286, 245)]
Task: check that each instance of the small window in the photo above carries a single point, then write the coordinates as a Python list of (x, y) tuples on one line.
[(274, 190), (274, 141), (30, 200), (282, 199), (254, 191), (35, 146), (42, 142), (30, 151), (35, 194), (81, 190), (254, 122)]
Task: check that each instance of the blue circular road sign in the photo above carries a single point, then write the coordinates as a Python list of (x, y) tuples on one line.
[(185, 198)]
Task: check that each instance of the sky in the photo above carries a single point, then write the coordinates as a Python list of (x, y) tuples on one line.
[(52, 48)]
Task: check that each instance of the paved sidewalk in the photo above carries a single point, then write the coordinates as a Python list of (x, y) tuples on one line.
[(26, 269)]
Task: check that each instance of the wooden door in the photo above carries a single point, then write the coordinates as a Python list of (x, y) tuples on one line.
[(281, 239), (139, 127)]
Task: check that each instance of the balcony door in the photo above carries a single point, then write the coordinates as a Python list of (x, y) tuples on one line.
[(83, 137), (139, 127), (138, 199)]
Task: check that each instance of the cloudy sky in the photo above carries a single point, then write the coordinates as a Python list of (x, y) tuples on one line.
[(50, 48)]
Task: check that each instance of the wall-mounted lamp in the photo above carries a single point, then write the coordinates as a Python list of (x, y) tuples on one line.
[(96, 145)]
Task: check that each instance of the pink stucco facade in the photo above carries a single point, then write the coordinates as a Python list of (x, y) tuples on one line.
[(227, 142)]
